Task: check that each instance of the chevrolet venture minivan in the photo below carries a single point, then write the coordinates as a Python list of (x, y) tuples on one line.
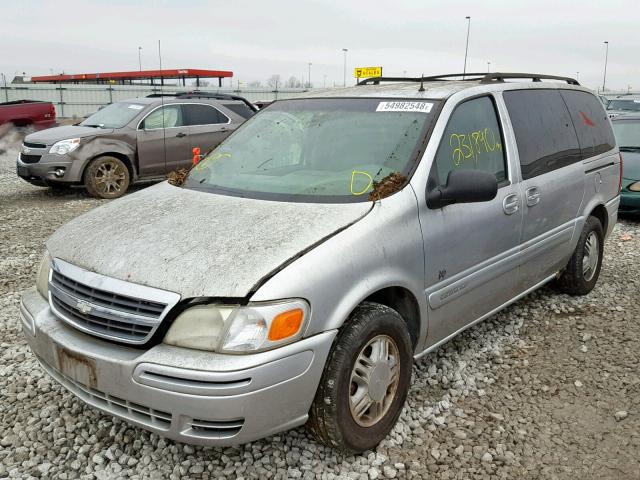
[(322, 247)]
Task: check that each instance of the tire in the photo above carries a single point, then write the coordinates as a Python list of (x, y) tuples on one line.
[(107, 177), (331, 420), (583, 269)]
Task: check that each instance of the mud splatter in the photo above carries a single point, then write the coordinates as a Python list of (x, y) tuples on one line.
[(177, 177), (387, 186)]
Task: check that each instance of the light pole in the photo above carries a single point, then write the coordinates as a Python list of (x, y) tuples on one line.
[(140, 58), (488, 67), (344, 71), (466, 48), (578, 76), (309, 77), (324, 81), (606, 58)]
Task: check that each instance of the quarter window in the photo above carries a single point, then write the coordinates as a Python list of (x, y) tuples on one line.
[(472, 140), (591, 121), (544, 131), (203, 115), (172, 118)]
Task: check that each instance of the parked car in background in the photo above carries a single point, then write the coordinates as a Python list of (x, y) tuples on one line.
[(310, 257), (129, 141), (620, 106), (627, 131), (24, 113)]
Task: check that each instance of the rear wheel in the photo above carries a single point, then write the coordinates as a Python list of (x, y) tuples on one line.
[(107, 177), (365, 382), (583, 269)]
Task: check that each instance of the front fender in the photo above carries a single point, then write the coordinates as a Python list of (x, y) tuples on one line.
[(105, 145), (383, 249)]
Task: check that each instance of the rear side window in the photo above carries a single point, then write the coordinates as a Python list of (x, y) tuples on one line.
[(472, 140), (196, 114), (240, 109), (544, 131), (169, 116), (591, 121)]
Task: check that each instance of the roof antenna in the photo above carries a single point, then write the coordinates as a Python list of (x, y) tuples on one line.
[(421, 89)]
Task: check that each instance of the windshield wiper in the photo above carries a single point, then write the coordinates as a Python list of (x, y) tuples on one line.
[(629, 149), (90, 125)]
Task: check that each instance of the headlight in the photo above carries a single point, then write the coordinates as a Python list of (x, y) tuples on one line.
[(237, 329), (65, 146), (634, 187), (42, 281)]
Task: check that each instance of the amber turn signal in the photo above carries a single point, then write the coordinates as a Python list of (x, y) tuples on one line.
[(286, 324)]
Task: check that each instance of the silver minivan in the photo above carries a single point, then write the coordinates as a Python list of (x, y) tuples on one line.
[(322, 247)]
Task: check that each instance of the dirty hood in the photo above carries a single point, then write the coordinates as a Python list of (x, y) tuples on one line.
[(197, 243), (55, 134)]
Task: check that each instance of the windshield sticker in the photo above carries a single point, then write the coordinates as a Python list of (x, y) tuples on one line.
[(423, 107), (360, 191), (136, 107)]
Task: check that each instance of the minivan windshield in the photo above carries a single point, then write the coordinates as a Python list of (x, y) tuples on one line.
[(116, 115), (627, 133), (317, 150), (628, 105)]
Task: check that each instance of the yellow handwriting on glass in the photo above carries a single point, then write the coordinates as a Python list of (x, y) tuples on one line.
[(354, 174)]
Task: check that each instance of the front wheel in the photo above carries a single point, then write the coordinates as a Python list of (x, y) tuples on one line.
[(365, 382), (583, 269), (107, 177)]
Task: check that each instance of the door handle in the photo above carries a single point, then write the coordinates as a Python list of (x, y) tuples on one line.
[(180, 135), (533, 196), (510, 204)]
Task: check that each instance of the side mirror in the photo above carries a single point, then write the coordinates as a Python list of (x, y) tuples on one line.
[(464, 186)]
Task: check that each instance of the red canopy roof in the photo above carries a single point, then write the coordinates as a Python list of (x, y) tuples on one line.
[(135, 75)]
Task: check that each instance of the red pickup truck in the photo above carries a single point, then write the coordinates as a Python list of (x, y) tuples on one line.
[(28, 112)]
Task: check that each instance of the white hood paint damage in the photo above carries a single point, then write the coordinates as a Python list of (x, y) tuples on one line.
[(196, 243)]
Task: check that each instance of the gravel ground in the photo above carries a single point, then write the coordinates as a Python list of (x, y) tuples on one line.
[(549, 388)]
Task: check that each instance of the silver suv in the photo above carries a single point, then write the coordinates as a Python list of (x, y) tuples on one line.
[(131, 140), (313, 255)]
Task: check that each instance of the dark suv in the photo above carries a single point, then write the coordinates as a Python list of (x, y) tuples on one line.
[(131, 140)]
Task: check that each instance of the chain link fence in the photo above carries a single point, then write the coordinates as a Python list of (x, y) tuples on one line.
[(78, 101)]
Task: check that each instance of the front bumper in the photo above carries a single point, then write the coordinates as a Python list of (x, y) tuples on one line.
[(44, 170), (187, 395)]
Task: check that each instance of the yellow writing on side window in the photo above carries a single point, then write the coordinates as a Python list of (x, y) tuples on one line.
[(354, 176), (472, 145)]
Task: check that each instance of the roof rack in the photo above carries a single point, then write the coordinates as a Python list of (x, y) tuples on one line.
[(215, 96), (496, 77)]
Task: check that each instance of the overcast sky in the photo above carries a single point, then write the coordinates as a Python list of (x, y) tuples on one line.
[(256, 39)]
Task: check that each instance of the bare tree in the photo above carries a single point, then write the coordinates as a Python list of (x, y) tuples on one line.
[(274, 81), (293, 82)]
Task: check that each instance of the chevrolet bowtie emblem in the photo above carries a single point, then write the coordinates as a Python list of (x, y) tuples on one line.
[(83, 306)]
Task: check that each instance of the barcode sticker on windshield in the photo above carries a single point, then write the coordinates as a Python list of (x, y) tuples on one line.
[(424, 107), (136, 107)]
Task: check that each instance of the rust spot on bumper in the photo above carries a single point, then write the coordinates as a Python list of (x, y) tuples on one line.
[(77, 367)]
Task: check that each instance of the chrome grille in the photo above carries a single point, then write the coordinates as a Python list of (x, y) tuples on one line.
[(107, 307)]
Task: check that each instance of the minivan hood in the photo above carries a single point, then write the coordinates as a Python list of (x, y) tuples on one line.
[(55, 134), (195, 243)]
